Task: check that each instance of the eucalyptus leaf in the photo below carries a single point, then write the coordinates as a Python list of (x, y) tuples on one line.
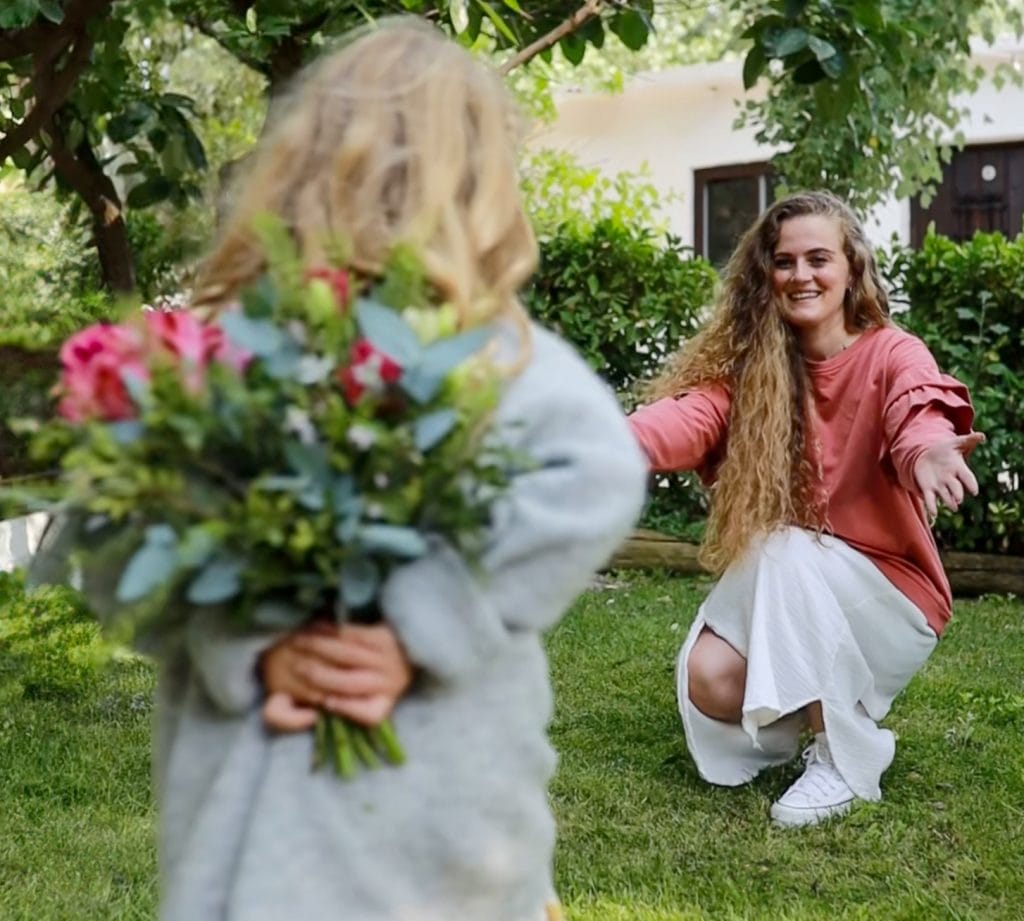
[(260, 337), (293, 484), (151, 566), (219, 580), (161, 535), (447, 354), (137, 387), (421, 384), (313, 369), (430, 429), (310, 461), (346, 529), (388, 332), (275, 614), (284, 364), (127, 431), (393, 540), (358, 581)]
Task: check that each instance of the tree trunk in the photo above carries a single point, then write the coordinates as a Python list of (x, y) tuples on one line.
[(81, 171)]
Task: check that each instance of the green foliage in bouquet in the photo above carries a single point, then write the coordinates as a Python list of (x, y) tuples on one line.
[(277, 460)]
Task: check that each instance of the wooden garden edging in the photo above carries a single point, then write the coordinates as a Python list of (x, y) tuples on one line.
[(969, 573)]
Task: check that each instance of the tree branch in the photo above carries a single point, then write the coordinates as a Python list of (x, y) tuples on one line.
[(584, 14), (50, 95), (42, 36)]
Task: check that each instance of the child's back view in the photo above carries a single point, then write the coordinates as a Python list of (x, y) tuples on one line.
[(402, 137)]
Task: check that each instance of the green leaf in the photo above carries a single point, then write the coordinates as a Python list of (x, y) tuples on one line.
[(194, 148), (126, 125), (52, 10), (219, 581), (822, 49), (631, 28), (388, 332), (753, 66), (15, 14), (573, 48), (150, 192), (790, 41), (835, 66), (499, 23), (835, 99), (808, 72), (151, 566), (261, 298), (868, 13)]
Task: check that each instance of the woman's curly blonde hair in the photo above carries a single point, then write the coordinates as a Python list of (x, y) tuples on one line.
[(400, 137), (770, 474)]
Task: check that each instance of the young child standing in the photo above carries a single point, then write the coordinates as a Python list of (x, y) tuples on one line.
[(400, 137)]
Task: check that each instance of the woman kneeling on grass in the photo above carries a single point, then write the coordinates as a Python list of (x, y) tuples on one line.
[(830, 436)]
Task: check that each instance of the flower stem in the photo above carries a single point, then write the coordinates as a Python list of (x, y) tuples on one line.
[(385, 737)]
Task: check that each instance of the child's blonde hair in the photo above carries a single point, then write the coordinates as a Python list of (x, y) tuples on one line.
[(400, 137)]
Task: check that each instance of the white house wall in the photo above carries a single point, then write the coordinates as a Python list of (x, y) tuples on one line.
[(681, 120)]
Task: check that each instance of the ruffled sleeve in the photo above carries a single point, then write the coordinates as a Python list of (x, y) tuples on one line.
[(923, 406), (684, 433)]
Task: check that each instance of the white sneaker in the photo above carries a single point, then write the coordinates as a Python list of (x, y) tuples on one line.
[(818, 794)]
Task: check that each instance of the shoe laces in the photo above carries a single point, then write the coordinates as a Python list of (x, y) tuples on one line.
[(820, 777)]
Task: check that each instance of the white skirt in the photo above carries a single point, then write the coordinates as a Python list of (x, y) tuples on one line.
[(815, 620)]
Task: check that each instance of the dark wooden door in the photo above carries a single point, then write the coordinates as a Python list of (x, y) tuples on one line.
[(982, 189)]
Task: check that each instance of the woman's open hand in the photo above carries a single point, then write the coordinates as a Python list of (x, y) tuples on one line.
[(942, 474)]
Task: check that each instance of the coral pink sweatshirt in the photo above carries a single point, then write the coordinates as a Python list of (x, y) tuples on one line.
[(880, 403)]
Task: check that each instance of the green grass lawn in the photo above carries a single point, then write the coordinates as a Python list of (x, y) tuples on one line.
[(642, 837)]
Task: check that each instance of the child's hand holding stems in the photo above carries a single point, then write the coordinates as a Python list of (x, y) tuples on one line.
[(354, 671)]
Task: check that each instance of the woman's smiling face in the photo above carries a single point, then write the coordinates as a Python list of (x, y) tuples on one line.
[(810, 274)]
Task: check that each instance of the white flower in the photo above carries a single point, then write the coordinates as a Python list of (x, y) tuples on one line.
[(362, 436), (297, 422)]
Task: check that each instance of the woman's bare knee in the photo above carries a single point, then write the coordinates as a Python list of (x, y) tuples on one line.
[(716, 678)]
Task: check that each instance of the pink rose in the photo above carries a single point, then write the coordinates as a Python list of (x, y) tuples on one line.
[(337, 279), (369, 370), (94, 363), (181, 333)]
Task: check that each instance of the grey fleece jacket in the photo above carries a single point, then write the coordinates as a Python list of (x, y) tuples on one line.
[(463, 830)]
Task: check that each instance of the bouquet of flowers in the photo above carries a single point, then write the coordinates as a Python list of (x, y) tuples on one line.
[(277, 459)]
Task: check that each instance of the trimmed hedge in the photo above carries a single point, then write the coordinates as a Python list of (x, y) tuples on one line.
[(52, 647), (967, 303), (626, 299)]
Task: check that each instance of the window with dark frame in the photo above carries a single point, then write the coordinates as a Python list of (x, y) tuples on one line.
[(728, 199), (982, 189)]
